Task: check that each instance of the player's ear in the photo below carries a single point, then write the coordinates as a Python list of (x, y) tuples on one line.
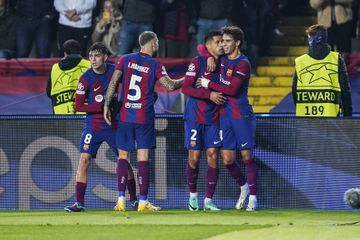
[(105, 57), (238, 42)]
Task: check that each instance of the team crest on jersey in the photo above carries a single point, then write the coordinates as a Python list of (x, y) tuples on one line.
[(193, 143), (86, 147), (99, 98), (191, 67), (80, 86), (229, 72)]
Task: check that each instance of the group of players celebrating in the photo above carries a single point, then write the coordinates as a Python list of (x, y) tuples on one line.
[(217, 117)]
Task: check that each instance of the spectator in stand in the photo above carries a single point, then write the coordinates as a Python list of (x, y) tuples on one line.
[(75, 21), (139, 16), (107, 28), (64, 78), (33, 23), (179, 23), (336, 16), (213, 14), (7, 31)]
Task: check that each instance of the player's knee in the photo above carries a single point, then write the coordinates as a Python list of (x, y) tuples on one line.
[(193, 161), (246, 155)]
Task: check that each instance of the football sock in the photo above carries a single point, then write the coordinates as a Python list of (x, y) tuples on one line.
[(211, 181), (80, 192), (235, 172), (143, 177), (250, 167), (131, 186), (191, 177), (122, 174)]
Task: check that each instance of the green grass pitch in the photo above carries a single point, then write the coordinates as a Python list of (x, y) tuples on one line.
[(276, 224)]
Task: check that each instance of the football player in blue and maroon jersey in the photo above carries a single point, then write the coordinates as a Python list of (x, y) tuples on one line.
[(89, 98), (201, 122), (137, 73), (237, 120)]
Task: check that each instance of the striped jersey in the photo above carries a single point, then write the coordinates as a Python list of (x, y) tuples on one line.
[(198, 107), (139, 74), (234, 82), (89, 97)]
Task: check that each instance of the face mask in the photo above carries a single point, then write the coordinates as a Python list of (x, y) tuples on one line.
[(320, 37)]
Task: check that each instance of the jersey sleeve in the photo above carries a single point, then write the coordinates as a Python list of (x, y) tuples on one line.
[(190, 78), (161, 71), (240, 74), (81, 95), (119, 63)]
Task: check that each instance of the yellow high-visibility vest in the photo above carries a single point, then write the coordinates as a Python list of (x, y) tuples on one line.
[(64, 85), (318, 91)]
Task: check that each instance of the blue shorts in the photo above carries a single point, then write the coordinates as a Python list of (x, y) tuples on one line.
[(200, 136), (90, 141), (131, 136), (237, 133)]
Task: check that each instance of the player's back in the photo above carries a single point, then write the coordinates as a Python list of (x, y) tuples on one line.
[(202, 111), (139, 74), (97, 85)]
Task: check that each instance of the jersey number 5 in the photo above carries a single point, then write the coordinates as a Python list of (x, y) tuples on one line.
[(134, 81)]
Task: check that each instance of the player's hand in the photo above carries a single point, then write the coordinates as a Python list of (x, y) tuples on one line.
[(202, 82), (218, 98), (211, 64), (107, 115)]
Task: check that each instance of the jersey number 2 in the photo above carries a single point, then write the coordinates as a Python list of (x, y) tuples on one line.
[(134, 81)]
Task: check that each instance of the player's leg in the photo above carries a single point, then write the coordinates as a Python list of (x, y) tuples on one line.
[(250, 167), (245, 136), (125, 143), (145, 140), (192, 172), (131, 186), (212, 142), (110, 138), (193, 143), (89, 145), (212, 176)]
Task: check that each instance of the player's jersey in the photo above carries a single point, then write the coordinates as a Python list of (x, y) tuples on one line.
[(90, 96), (139, 74), (198, 107), (233, 71)]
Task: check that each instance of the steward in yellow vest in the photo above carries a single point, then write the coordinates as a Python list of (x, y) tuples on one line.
[(64, 78), (320, 85)]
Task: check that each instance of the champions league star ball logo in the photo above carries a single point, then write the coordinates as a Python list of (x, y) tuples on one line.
[(352, 197)]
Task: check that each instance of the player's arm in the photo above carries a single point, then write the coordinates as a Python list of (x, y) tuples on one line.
[(294, 86), (346, 102), (81, 95), (164, 79), (202, 93), (110, 93), (240, 74), (171, 84)]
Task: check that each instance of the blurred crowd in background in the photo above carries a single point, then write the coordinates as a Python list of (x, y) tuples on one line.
[(37, 28)]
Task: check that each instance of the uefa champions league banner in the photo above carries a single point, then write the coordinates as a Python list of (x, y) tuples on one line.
[(302, 163)]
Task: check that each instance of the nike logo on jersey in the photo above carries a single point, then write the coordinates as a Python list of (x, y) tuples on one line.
[(95, 89), (206, 73), (217, 142), (244, 144)]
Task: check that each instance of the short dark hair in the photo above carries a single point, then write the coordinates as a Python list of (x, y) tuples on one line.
[(71, 47), (315, 29), (99, 47), (235, 32), (210, 34), (146, 37)]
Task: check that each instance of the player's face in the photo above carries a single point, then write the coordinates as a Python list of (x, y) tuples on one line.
[(97, 60), (155, 45), (229, 44), (214, 46)]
